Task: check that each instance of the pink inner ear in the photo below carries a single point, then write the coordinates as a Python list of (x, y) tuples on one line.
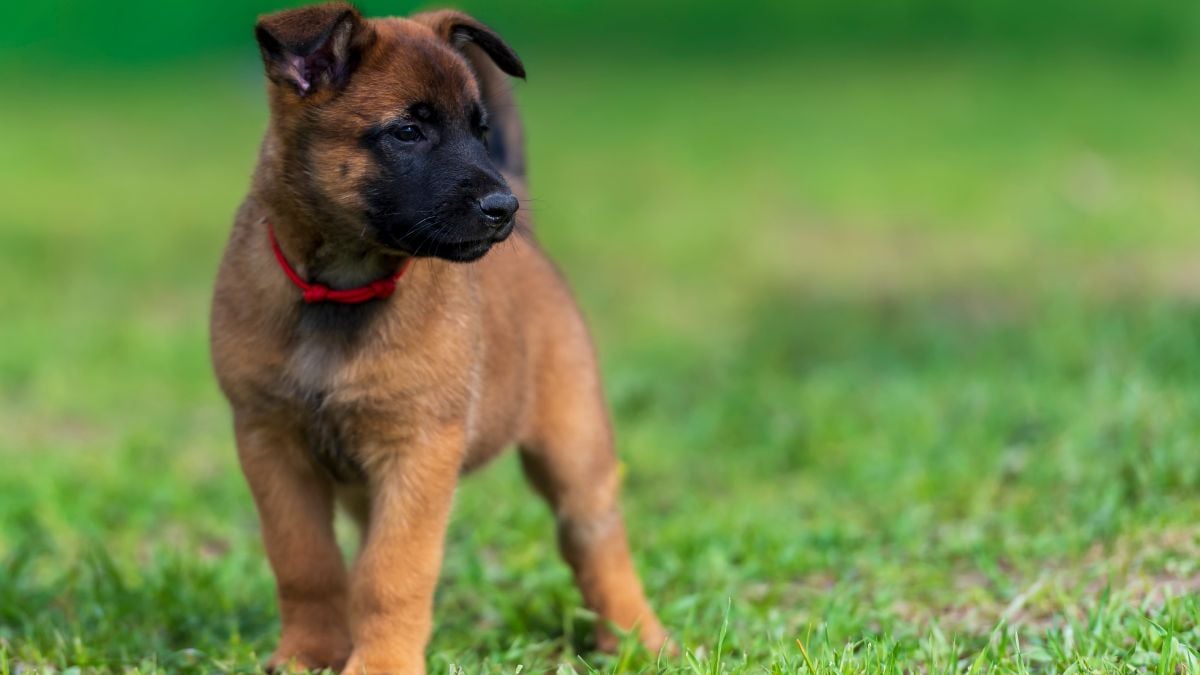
[(296, 70)]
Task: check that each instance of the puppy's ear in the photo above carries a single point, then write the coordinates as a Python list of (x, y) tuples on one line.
[(313, 48), (459, 29)]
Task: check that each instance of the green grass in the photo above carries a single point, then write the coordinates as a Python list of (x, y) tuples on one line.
[(903, 358)]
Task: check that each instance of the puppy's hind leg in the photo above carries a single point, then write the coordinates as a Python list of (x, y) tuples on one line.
[(569, 459)]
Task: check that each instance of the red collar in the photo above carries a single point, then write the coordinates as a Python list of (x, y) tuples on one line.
[(376, 290)]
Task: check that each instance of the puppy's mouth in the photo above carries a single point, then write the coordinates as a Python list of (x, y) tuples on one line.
[(467, 251), (452, 249)]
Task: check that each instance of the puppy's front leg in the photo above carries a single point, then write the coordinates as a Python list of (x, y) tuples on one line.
[(394, 578), (295, 507)]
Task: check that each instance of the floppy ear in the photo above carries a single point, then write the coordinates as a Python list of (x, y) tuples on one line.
[(313, 48), (459, 29)]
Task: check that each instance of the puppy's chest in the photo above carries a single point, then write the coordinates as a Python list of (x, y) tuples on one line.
[(338, 406), (355, 399), (333, 439)]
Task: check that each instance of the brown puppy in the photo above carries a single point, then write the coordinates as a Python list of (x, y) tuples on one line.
[(378, 161)]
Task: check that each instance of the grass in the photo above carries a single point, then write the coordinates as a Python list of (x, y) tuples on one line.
[(902, 356)]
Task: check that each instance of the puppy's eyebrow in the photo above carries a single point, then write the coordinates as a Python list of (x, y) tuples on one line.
[(423, 111)]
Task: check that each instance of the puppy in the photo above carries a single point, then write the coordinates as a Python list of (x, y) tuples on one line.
[(375, 343)]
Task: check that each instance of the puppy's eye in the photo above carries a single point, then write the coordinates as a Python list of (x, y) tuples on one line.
[(409, 133)]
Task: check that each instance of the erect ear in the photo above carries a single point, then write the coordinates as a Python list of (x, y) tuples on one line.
[(313, 48), (459, 29)]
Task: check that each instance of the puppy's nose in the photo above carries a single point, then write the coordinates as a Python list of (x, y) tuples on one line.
[(498, 208)]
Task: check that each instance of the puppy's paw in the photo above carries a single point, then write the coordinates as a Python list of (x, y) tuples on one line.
[(652, 636), (314, 659), (660, 642), (360, 664)]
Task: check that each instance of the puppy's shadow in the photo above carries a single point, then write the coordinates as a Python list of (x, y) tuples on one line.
[(511, 615)]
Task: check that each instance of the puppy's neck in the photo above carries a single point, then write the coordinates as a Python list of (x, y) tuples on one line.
[(337, 263)]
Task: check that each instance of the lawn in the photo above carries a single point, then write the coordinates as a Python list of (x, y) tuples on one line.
[(903, 356)]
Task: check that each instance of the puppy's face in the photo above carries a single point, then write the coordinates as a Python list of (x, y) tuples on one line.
[(383, 130)]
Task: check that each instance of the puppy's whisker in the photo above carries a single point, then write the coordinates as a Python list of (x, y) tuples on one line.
[(428, 237)]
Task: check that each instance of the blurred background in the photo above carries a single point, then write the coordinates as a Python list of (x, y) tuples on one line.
[(896, 300)]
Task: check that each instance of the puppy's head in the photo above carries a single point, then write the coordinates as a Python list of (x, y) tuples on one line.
[(379, 129)]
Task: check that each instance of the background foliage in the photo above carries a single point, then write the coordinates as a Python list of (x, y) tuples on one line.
[(147, 32)]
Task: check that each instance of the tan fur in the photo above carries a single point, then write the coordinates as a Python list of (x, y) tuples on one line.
[(461, 362)]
